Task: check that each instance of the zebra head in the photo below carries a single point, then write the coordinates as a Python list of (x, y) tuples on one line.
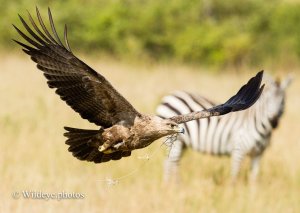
[(274, 96)]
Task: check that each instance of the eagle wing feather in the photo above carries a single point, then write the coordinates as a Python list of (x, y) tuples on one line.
[(247, 95), (82, 88)]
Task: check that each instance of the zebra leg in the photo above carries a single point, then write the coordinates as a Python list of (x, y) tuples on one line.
[(172, 162), (255, 166), (237, 156)]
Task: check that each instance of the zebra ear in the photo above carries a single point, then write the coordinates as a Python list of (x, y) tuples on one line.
[(268, 79), (287, 81)]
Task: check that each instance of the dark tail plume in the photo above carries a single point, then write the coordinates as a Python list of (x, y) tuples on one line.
[(84, 145), (82, 142)]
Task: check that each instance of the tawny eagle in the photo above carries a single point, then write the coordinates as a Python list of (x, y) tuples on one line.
[(122, 127)]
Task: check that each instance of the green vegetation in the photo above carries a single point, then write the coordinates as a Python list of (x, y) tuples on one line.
[(208, 32)]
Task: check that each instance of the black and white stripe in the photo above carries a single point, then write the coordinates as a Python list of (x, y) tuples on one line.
[(237, 134)]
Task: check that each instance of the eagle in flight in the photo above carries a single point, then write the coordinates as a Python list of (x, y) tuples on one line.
[(121, 127)]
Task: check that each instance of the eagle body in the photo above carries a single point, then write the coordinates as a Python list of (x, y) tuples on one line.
[(136, 136), (121, 128), (120, 139)]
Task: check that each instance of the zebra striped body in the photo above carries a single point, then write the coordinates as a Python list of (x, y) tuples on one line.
[(237, 134)]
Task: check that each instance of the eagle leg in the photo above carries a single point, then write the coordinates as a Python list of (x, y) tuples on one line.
[(114, 138), (105, 148), (119, 145)]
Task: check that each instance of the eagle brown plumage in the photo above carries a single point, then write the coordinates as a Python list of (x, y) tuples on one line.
[(122, 127)]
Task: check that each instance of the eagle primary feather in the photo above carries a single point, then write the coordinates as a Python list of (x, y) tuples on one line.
[(122, 127), (82, 88), (244, 98)]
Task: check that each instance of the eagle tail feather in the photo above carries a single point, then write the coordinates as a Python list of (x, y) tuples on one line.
[(83, 142)]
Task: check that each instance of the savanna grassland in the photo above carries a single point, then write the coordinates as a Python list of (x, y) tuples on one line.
[(33, 155)]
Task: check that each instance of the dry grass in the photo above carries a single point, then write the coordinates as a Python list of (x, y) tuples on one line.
[(33, 155)]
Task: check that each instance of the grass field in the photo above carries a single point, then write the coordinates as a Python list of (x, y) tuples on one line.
[(33, 155)]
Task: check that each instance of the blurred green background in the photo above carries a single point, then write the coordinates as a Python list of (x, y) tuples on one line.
[(213, 33)]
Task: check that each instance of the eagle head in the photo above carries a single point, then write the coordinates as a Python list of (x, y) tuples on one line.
[(161, 127), (147, 129)]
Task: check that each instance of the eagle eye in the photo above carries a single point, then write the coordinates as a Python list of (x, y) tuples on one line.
[(172, 125)]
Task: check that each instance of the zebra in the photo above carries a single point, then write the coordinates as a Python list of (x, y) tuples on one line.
[(236, 134)]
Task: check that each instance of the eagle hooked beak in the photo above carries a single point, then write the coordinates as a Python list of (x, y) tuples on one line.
[(180, 130)]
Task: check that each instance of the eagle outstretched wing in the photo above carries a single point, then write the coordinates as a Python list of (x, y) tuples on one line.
[(243, 99), (82, 88)]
